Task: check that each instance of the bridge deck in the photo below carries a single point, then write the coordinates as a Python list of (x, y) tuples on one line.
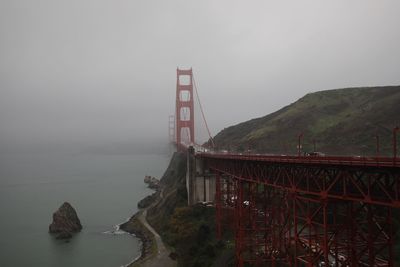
[(315, 160)]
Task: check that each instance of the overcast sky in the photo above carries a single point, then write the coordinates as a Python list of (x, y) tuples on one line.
[(80, 71)]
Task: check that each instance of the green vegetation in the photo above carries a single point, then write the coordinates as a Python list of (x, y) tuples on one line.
[(190, 231), (342, 121)]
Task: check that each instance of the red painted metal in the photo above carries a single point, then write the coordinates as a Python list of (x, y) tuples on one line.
[(184, 121), (304, 211), (323, 160), (225, 200)]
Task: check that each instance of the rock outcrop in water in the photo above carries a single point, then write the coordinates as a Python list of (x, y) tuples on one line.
[(65, 222)]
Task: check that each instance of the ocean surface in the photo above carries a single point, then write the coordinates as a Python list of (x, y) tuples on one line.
[(103, 188)]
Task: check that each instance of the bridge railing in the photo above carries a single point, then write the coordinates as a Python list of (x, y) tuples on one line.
[(328, 160)]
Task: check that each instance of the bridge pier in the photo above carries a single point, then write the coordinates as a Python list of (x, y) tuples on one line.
[(200, 182)]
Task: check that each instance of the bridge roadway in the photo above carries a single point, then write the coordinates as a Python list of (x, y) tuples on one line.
[(306, 210), (325, 160)]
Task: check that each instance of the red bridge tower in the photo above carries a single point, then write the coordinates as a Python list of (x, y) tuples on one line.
[(184, 108)]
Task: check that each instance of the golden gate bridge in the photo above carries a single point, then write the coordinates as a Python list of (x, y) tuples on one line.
[(292, 210)]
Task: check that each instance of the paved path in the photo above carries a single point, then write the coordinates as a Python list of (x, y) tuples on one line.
[(161, 259)]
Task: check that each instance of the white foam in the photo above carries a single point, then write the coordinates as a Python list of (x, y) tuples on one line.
[(117, 230)]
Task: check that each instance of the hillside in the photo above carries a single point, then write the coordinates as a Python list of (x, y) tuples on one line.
[(341, 121)]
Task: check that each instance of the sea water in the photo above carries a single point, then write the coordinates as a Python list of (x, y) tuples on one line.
[(103, 188)]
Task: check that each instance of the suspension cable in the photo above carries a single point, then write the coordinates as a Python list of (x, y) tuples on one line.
[(202, 113)]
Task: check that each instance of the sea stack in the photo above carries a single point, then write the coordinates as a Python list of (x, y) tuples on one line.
[(65, 222)]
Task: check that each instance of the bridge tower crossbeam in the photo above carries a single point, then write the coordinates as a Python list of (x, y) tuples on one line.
[(184, 115)]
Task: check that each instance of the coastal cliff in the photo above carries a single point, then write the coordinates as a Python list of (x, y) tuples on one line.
[(190, 231)]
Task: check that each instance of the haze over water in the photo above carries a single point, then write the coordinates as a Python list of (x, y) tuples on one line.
[(80, 79), (104, 188)]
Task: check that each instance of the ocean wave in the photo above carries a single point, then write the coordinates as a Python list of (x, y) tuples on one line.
[(117, 230)]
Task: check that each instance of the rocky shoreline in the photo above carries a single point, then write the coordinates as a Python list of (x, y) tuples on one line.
[(135, 227)]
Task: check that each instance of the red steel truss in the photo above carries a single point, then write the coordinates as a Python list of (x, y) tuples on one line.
[(288, 211), (226, 193)]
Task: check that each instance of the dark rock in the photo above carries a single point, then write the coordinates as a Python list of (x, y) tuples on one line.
[(152, 182), (65, 222)]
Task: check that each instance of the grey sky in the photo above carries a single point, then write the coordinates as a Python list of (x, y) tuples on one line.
[(104, 71)]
